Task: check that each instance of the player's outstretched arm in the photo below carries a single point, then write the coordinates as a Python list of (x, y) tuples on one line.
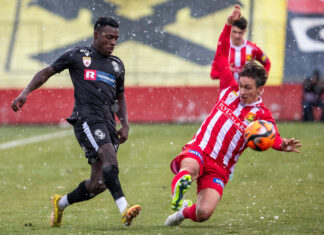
[(235, 15), (39, 79), (223, 45), (280, 143), (290, 145), (220, 66), (123, 118), (224, 38)]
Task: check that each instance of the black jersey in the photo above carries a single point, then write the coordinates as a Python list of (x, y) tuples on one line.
[(96, 80)]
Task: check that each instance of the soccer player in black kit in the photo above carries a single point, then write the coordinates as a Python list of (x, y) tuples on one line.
[(98, 80)]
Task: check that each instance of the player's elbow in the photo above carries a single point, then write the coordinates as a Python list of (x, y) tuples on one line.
[(214, 75), (217, 67)]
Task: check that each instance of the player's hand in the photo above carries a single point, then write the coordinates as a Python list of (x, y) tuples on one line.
[(235, 15), (290, 145), (19, 101), (123, 133)]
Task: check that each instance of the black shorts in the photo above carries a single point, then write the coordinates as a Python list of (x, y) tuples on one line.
[(91, 136)]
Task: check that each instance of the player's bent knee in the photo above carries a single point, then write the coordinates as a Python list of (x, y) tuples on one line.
[(191, 165), (204, 212), (194, 172), (97, 187), (203, 215), (100, 188)]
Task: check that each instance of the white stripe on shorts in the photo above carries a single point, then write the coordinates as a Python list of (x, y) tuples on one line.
[(87, 131)]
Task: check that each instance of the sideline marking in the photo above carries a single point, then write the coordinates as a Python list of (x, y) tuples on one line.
[(35, 139)]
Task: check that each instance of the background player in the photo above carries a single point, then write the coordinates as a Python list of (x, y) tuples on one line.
[(242, 51), (98, 80), (211, 155)]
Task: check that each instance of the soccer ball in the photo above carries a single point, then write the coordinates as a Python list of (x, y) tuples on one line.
[(260, 135)]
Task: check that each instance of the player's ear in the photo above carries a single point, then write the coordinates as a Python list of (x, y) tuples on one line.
[(95, 34), (260, 90)]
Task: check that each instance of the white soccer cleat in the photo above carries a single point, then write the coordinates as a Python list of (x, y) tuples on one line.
[(176, 218)]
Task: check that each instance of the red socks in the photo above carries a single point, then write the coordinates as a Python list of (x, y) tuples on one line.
[(190, 212), (176, 178)]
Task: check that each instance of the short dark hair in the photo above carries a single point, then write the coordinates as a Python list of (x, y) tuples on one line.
[(317, 73), (255, 71), (104, 21), (241, 23)]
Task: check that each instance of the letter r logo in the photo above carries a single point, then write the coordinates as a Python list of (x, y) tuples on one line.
[(90, 74)]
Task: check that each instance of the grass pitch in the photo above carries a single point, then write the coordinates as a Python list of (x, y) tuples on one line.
[(271, 192)]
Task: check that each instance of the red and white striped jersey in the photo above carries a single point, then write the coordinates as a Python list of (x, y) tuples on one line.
[(221, 135), (241, 55)]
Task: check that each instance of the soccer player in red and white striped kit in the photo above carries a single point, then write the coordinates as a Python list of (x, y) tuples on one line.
[(242, 51), (211, 155)]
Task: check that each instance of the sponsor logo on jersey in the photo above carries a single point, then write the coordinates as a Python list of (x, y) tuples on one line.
[(264, 58), (86, 61), (115, 66), (219, 182), (197, 154), (225, 109), (91, 74), (100, 134), (86, 52), (250, 117), (233, 94), (248, 57)]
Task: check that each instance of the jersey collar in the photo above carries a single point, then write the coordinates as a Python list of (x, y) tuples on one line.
[(97, 52), (259, 101), (239, 47)]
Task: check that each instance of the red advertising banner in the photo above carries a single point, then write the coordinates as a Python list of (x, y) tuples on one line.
[(306, 6), (146, 104)]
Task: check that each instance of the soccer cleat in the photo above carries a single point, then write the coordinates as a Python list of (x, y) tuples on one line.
[(180, 188), (129, 214), (176, 218), (173, 220), (57, 214), (186, 203)]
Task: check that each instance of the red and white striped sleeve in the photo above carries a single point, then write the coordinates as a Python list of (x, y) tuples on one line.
[(220, 66), (262, 58)]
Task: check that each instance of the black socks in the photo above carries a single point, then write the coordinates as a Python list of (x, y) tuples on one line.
[(110, 175), (79, 194), (111, 180)]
